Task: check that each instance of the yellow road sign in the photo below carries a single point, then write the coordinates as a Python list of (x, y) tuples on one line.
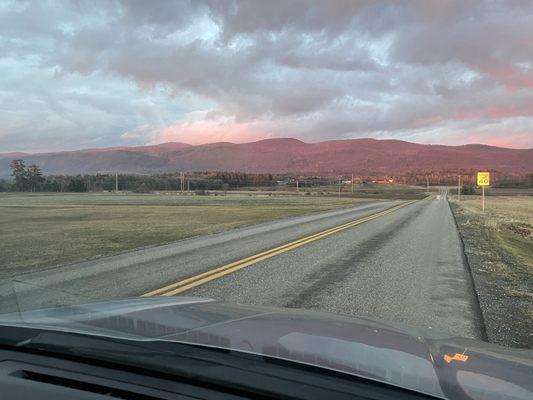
[(483, 178)]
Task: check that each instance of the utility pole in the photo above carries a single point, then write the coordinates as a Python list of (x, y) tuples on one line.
[(188, 185), (182, 181), (352, 183), (459, 189), (297, 186), (340, 181), (427, 185), (116, 182)]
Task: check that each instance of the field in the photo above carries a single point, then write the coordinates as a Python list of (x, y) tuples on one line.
[(369, 190), (499, 248), (42, 230), (508, 220)]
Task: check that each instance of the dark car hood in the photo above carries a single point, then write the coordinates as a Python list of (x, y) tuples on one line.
[(442, 366)]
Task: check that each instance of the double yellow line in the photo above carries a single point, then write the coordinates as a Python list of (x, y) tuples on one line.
[(197, 280)]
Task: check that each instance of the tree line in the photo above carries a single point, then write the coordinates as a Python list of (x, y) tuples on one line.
[(26, 179), (31, 179)]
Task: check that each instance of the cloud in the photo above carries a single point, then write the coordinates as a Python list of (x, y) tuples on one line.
[(104, 73), (144, 132), (199, 130), (517, 133)]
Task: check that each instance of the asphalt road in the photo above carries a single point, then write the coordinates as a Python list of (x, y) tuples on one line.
[(405, 266)]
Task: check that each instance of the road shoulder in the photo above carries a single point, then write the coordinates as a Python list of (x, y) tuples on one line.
[(502, 283)]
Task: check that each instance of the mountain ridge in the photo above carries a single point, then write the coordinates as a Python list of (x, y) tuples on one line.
[(282, 155)]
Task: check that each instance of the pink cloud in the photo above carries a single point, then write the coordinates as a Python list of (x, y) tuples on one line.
[(494, 112), (520, 140), (509, 75), (206, 131), (423, 122)]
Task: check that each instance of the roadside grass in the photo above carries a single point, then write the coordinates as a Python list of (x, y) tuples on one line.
[(43, 230), (508, 220), (499, 247), (519, 247)]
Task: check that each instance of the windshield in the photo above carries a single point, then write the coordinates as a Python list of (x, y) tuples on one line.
[(363, 160)]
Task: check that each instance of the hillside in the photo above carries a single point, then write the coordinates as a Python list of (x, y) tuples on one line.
[(362, 156)]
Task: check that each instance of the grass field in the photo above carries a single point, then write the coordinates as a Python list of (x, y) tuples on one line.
[(41, 230), (509, 221), (369, 190), (499, 248)]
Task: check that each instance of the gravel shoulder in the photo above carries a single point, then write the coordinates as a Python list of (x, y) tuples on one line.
[(502, 279)]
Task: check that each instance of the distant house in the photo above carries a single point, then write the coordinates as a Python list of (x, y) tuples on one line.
[(384, 181)]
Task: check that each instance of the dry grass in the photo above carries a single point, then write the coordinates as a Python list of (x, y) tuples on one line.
[(509, 220), (370, 190), (40, 230)]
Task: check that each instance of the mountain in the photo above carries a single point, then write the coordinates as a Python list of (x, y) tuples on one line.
[(361, 156), (14, 154)]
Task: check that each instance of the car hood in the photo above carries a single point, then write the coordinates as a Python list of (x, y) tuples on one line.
[(423, 361)]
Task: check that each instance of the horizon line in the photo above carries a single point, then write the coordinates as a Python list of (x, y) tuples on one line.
[(255, 141)]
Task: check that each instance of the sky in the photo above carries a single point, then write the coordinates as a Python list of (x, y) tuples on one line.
[(82, 74)]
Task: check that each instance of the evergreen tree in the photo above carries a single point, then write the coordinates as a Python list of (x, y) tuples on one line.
[(35, 177)]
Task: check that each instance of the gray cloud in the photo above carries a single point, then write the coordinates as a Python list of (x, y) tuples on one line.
[(75, 74)]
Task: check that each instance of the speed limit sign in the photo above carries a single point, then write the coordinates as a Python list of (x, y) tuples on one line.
[(483, 178)]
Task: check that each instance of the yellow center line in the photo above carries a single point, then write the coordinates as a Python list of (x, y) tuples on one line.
[(200, 279)]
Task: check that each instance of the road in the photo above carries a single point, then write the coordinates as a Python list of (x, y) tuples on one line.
[(399, 261)]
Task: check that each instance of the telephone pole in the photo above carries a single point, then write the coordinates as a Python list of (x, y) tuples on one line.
[(352, 183), (427, 185), (297, 186), (116, 182)]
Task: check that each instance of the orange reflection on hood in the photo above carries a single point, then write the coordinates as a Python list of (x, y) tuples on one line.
[(456, 357)]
